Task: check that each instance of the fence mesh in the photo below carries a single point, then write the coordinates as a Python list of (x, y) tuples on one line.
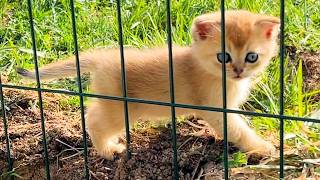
[(125, 99)]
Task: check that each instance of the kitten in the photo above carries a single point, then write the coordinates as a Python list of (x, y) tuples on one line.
[(251, 42)]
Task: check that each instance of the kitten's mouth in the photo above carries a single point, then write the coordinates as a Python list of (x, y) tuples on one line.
[(237, 77)]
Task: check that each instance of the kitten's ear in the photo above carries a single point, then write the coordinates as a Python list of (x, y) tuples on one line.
[(268, 26), (202, 30)]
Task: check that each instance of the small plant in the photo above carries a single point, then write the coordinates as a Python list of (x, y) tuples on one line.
[(10, 174), (238, 159)]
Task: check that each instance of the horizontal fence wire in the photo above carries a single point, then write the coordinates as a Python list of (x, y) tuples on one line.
[(83, 123), (35, 57), (224, 91), (172, 94), (161, 103), (5, 127), (124, 80), (281, 81)]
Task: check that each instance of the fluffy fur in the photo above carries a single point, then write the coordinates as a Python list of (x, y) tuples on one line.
[(197, 75)]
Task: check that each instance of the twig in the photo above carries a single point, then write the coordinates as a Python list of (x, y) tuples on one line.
[(71, 147), (185, 142), (194, 125), (93, 175), (200, 174), (263, 167), (312, 161), (195, 170), (208, 174), (73, 155), (204, 130), (67, 145), (78, 152), (272, 167), (65, 150)]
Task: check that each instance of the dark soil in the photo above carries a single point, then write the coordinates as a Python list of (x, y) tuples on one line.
[(311, 69), (198, 156), (151, 147)]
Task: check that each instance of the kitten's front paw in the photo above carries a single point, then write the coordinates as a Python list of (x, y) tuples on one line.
[(110, 149), (264, 148)]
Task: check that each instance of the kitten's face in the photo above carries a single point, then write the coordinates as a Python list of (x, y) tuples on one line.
[(251, 41)]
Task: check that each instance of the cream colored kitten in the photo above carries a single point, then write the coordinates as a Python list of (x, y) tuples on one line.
[(251, 41)]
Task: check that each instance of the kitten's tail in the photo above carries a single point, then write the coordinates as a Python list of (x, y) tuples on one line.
[(64, 68)]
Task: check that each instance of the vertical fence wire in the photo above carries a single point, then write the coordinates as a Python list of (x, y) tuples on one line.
[(5, 126), (83, 123), (35, 57), (172, 95), (124, 81), (224, 89), (281, 81)]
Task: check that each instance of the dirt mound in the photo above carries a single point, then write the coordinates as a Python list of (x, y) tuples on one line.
[(200, 156), (311, 69), (151, 147)]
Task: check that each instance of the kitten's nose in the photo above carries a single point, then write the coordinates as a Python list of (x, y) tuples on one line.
[(238, 70)]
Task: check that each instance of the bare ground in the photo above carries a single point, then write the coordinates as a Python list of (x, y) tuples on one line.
[(151, 147), (311, 69), (311, 72), (200, 155)]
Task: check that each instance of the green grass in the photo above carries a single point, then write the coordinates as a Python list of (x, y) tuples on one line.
[(10, 175), (238, 159), (144, 25)]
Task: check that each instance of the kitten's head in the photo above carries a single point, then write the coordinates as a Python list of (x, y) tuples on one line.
[(251, 42)]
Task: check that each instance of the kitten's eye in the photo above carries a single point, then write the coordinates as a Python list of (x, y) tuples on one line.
[(252, 57), (227, 56)]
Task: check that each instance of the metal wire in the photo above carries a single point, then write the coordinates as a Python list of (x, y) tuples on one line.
[(224, 91), (124, 81), (171, 104), (5, 125), (35, 57), (83, 122), (172, 96), (161, 103), (281, 81)]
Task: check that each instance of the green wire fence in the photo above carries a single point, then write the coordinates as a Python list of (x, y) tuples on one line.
[(127, 99)]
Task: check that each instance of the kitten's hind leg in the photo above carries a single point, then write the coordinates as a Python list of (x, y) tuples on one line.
[(240, 133), (105, 122)]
